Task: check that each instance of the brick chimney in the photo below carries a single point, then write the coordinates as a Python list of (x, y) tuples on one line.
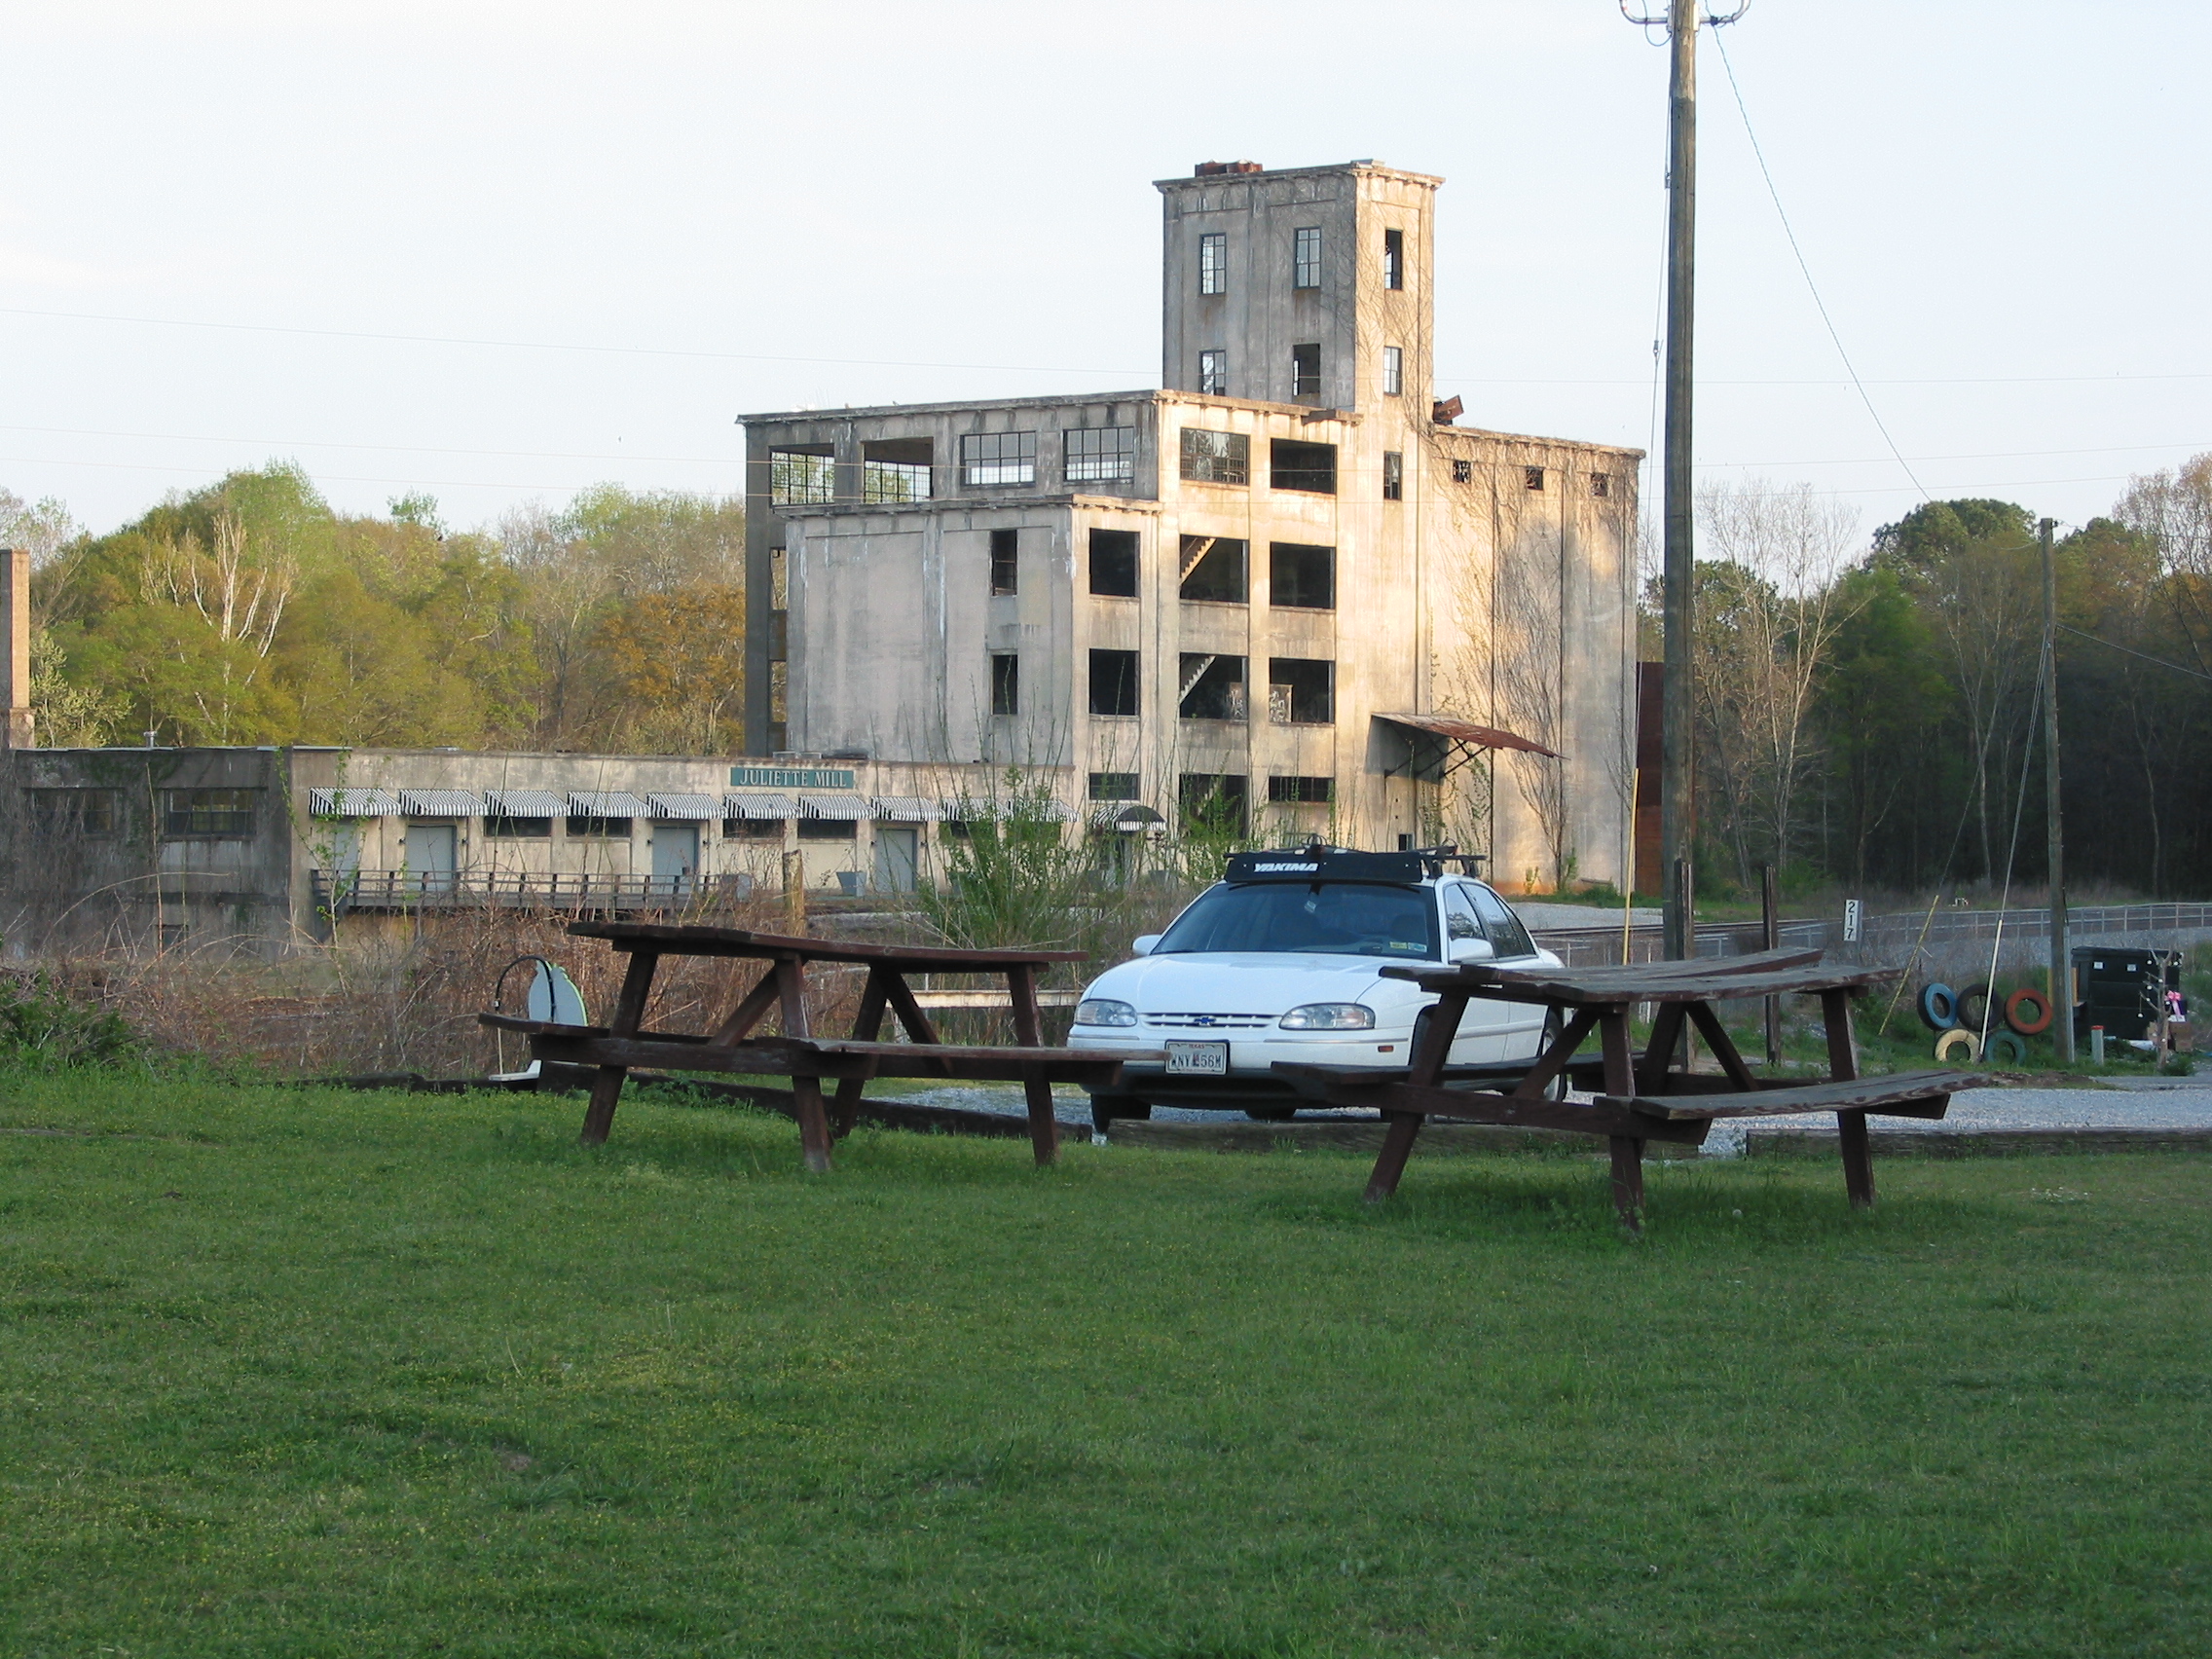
[(15, 630)]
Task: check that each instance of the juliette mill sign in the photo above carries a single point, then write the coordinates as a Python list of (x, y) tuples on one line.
[(790, 777)]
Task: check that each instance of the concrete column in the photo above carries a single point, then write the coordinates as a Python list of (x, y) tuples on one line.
[(15, 637)]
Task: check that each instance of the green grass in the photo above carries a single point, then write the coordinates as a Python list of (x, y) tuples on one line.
[(307, 1373)]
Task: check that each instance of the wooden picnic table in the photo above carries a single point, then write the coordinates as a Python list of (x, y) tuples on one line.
[(1645, 1097), (730, 1047)]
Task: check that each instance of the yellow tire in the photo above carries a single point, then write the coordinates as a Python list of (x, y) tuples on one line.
[(1958, 1037)]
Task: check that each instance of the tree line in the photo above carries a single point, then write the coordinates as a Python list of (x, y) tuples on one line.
[(1870, 711), (252, 611)]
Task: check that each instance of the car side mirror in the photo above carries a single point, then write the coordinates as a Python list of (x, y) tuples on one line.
[(1142, 944), (1470, 950)]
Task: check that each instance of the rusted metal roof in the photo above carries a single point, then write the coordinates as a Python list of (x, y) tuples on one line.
[(1460, 730)]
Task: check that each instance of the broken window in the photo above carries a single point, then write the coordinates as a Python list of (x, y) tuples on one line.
[(1213, 263), (1212, 687), (1393, 371), (226, 813), (1006, 683), (1213, 802), (1393, 476), (1101, 455), (1532, 476), (1300, 691), (1213, 373), (89, 813), (600, 828), (1302, 577), (1113, 786), (998, 458), (503, 828), (1302, 792), (800, 477), (1216, 458), (752, 829), (1305, 466), (1113, 563), (896, 469), (1393, 259), (1463, 472), (1601, 484), (1006, 561), (1306, 257), (1305, 371), (829, 829), (1214, 569), (1113, 682)]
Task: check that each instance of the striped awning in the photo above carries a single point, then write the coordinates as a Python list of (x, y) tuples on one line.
[(850, 809), (906, 809), (440, 803), (1125, 815), (760, 808), (524, 803), (352, 803), (687, 805), (607, 803)]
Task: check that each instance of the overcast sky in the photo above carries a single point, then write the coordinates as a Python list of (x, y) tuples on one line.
[(501, 252)]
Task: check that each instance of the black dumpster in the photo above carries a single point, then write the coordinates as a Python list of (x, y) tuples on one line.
[(2119, 987)]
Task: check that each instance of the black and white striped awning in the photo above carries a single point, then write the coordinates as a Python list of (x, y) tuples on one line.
[(352, 803), (686, 805), (906, 809), (607, 803), (760, 808), (524, 803), (440, 803), (847, 809)]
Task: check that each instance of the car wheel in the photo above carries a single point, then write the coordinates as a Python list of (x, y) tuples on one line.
[(1105, 1108)]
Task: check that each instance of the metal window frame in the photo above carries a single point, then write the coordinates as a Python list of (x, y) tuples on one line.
[(1099, 455), (1393, 259), (799, 478), (1306, 257), (1005, 579), (1303, 384), (1212, 457), (1393, 370), (1213, 262), (1213, 372), (1114, 786), (994, 460), (1005, 685), (1394, 475), (892, 482), (1132, 683), (204, 819)]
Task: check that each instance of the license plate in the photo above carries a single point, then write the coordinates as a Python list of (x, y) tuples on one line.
[(1198, 1059)]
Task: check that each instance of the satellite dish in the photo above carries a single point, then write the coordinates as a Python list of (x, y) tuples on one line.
[(552, 998)]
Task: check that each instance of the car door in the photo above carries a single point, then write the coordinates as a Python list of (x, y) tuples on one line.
[(1520, 1026), (1482, 1027)]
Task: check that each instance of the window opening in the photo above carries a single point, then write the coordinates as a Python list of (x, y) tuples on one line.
[(1213, 373), (1213, 802), (501, 828), (89, 813), (829, 829), (1113, 786), (1216, 458), (1006, 683), (600, 828), (1213, 263), (1305, 371), (1393, 371), (208, 812), (1304, 792), (1306, 257), (1393, 476), (1463, 472), (1099, 455), (800, 477), (1214, 569), (998, 458), (1113, 563), (1212, 687), (752, 829), (1113, 682), (1302, 577), (1601, 484), (1310, 467), (1302, 692), (1006, 561), (1533, 477), (1393, 259), (896, 469)]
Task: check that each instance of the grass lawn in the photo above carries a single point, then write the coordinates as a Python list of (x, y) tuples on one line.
[(310, 1373)]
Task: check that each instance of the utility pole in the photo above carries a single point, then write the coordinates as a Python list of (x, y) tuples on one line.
[(2061, 957), (1678, 802)]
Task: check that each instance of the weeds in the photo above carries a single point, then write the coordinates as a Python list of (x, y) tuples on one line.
[(46, 1024)]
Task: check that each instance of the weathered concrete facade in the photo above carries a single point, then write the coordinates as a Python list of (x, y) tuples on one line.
[(1222, 590)]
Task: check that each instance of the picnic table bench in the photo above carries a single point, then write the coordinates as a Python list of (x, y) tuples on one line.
[(852, 1062), (1644, 1097)]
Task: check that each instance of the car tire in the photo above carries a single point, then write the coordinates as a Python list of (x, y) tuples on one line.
[(1105, 1108)]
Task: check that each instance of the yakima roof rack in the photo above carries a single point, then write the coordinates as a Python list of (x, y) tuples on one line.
[(1320, 863), (1448, 854)]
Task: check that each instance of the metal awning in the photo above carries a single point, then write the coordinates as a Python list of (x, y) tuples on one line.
[(440, 803), (760, 808), (686, 805), (607, 803), (352, 803), (523, 803), (1464, 733), (848, 809), (1125, 815), (906, 809)]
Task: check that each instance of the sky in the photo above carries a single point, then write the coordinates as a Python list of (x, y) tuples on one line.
[(495, 252)]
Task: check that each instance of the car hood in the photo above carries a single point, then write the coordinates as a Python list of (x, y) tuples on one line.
[(1250, 982)]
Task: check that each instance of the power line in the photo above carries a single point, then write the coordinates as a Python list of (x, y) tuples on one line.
[(2127, 650), (1819, 304)]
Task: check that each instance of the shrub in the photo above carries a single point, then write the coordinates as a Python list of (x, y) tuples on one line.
[(46, 1026)]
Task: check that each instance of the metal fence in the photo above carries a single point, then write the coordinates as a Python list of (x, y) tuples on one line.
[(340, 892)]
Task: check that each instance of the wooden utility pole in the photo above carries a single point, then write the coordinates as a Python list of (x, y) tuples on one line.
[(1678, 804), (2061, 957)]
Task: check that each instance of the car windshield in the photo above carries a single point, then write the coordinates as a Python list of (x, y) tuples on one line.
[(1334, 918)]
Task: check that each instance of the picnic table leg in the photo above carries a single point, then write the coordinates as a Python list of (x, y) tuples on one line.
[(1628, 1181), (757, 1001), (629, 1012), (1620, 1060), (1397, 1146), (1659, 1052), (867, 1024), (1850, 1126), (806, 1091), (1029, 1032)]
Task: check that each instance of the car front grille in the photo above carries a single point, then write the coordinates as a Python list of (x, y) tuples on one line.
[(1209, 1021)]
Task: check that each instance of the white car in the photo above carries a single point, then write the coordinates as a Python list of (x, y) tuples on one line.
[(1283, 959)]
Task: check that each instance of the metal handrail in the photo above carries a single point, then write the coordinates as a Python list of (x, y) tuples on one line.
[(338, 892)]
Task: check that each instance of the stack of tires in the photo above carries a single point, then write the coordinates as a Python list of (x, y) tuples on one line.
[(1957, 1018)]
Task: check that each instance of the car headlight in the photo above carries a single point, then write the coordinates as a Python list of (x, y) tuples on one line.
[(1104, 1011), (1329, 1017)]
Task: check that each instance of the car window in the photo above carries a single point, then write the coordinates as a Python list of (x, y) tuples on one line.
[(1459, 918), (1506, 933), (1332, 918)]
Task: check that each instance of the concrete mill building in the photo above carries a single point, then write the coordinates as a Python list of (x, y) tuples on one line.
[(1285, 588)]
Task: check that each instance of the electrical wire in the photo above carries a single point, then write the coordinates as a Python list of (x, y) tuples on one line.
[(2129, 650), (1806, 269)]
